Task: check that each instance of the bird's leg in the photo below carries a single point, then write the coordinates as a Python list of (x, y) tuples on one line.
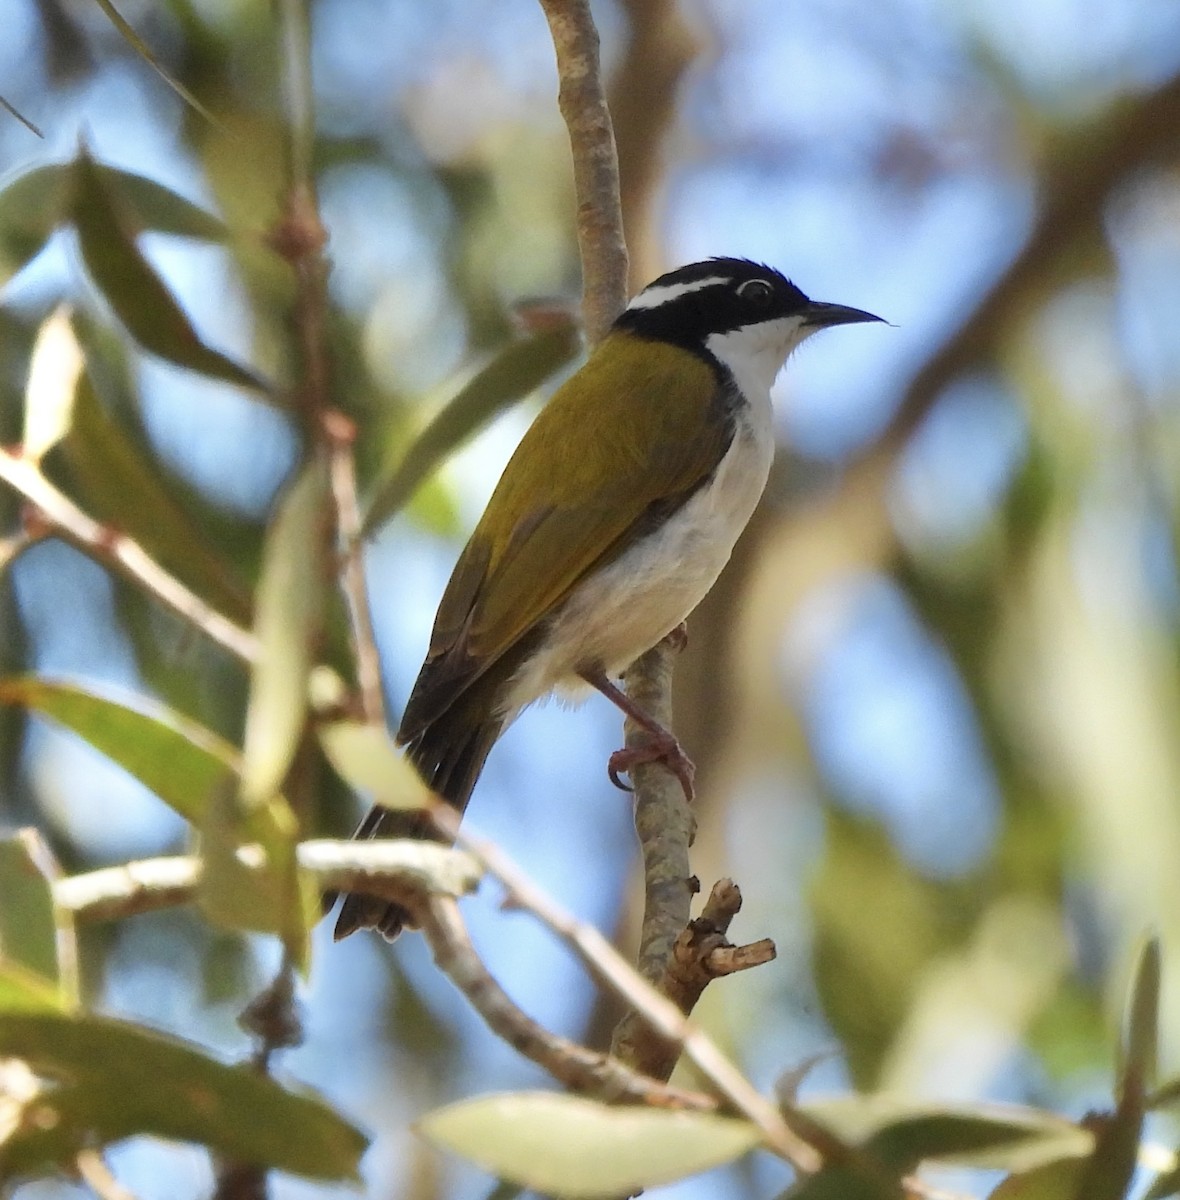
[(660, 745)]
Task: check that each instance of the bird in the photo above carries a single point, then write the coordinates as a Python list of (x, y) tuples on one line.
[(610, 523)]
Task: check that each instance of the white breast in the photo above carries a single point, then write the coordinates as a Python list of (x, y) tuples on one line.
[(624, 609)]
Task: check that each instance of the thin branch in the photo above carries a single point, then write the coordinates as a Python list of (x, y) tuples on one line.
[(341, 434), (579, 1069), (399, 871), (117, 550), (608, 966), (582, 101), (700, 954)]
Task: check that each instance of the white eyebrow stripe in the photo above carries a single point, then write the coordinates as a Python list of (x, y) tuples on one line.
[(653, 297)]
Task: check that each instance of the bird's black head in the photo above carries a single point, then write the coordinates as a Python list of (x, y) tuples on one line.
[(686, 306)]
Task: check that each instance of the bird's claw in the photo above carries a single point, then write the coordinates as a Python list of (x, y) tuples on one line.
[(654, 748)]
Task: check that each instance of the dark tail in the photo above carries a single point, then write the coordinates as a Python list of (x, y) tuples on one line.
[(450, 760)]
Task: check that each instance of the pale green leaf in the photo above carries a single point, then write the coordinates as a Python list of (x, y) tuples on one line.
[(573, 1147), (54, 369), (905, 1132), (288, 609), (366, 758)]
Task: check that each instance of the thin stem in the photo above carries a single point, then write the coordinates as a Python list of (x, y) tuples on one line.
[(341, 434), (582, 100), (119, 551), (608, 966)]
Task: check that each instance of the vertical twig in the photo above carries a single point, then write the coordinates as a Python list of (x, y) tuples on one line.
[(341, 433), (582, 100), (662, 819)]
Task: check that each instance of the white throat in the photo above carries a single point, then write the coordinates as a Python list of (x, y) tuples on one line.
[(755, 354)]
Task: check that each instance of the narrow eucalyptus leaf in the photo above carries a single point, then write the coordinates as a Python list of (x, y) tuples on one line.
[(573, 1147), (130, 284), (288, 610), (365, 757), (518, 370), (31, 207), (159, 208), (54, 369), (125, 489), (117, 1080), (38, 956), (178, 759)]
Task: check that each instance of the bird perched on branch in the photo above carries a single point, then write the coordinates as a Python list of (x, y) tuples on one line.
[(611, 522)]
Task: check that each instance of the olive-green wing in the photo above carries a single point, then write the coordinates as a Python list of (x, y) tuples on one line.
[(588, 479)]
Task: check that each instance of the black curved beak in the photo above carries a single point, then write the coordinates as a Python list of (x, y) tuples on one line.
[(821, 315)]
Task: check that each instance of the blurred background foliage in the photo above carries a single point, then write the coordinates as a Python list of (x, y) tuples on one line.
[(933, 702)]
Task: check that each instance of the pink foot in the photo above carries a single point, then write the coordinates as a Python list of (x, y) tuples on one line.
[(662, 748)]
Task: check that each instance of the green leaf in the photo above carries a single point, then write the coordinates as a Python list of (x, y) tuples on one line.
[(904, 1132), (1052, 1181), (158, 208), (31, 206), (279, 899), (844, 1182), (519, 369), (54, 369), (365, 757), (114, 1080), (38, 954), (1138, 1067), (573, 1147), (135, 292), (289, 608), (126, 491), (179, 760)]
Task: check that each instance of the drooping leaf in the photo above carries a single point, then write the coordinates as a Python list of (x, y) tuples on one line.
[(179, 760), (38, 955), (288, 610), (573, 1147), (904, 1133), (519, 369), (54, 369), (366, 759), (115, 1080), (135, 292), (123, 489), (31, 206)]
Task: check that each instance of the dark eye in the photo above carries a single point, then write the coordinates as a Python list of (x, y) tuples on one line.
[(757, 293)]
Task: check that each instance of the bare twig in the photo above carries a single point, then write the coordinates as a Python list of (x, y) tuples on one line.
[(596, 166), (579, 1069), (700, 954), (399, 871), (122, 553), (608, 966), (341, 433), (97, 1176)]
